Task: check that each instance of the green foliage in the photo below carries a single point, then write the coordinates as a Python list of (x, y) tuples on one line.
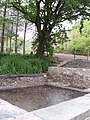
[(18, 64), (85, 30), (81, 45), (80, 41), (45, 62), (32, 8), (49, 14)]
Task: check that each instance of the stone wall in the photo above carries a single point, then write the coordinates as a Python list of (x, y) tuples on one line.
[(74, 77)]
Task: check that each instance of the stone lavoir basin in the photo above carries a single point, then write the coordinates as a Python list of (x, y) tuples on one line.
[(37, 97)]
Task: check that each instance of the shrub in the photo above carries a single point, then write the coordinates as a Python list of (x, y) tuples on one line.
[(18, 64), (81, 45)]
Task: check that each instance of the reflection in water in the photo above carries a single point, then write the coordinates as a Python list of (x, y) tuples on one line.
[(33, 98)]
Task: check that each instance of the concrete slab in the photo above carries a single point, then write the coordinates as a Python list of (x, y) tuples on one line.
[(8, 110), (28, 116)]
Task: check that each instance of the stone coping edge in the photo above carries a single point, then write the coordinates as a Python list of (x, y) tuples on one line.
[(45, 84), (6, 76), (20, 87), (68, 88)]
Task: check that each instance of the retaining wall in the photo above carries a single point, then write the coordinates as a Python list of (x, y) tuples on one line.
[(74, 77), (24, 80)]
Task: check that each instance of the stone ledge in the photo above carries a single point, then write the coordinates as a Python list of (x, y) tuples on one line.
[(8, 110), (28, 116), (62, 86), (21, 86), (22, 75), (75, 109)]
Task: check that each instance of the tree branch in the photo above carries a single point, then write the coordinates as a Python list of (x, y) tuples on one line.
[(22, 10)]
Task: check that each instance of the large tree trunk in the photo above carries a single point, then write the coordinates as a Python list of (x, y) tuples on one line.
[(41, 47), (3, 30), (43, 30), (42, 40)]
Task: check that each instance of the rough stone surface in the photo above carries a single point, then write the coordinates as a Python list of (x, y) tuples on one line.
[(87, 118), (21, 81), (75, 77), (8, 110)]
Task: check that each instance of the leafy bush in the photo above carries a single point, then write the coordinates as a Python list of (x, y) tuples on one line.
[(79, 42), (81, 45), (18, 64)]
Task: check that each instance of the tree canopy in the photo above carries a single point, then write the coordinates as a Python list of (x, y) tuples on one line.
[(47, 14)]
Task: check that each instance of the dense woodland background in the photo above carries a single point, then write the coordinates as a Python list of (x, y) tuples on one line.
[(11, 23)]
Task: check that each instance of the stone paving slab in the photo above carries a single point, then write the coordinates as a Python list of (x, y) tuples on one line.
[(28, 116), (8, 110)]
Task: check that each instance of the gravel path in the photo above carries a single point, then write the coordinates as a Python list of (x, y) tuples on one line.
[(69, 57), (78, 63), (67, 60)]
